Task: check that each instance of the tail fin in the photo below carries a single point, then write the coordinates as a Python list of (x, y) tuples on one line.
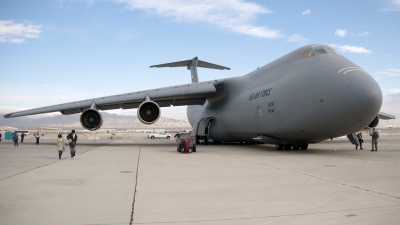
[(192, 65)]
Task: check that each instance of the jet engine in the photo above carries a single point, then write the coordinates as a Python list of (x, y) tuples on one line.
[(148, 112), (374, 122), (91, 119)]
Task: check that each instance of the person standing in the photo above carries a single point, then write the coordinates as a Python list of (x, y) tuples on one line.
[(374, 139), (360, 140), (72, 138), (22, 137), (15, 139), (60, 145), (37, 138), (0, 136)]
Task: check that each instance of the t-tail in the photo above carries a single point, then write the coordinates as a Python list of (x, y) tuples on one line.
[(192, 65)]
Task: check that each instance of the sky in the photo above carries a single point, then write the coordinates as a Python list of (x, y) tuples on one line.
[(58, 51)]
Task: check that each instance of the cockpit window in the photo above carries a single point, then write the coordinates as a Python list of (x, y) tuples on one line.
[(319, 50), (307, 54), (331, 51)]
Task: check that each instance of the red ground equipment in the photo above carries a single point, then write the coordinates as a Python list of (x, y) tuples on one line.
[(186, 143)]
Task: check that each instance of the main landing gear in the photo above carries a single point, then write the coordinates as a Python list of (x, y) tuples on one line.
[(289, 146)]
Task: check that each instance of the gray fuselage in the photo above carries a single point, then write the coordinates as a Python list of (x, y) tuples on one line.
[(307, 96)]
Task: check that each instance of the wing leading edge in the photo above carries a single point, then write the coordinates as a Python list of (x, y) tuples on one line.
[(187, 94), (385, 116)]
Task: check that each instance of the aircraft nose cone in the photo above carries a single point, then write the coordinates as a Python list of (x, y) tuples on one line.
[(364, 95)]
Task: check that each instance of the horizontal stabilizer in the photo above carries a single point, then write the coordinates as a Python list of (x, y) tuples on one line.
[(192, 65), (187, 63)]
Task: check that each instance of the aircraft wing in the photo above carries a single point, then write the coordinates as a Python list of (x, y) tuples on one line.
[(385, 116), (187, 94)]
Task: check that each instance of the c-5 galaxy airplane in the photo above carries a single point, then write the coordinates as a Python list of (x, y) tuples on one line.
[(307, 96)]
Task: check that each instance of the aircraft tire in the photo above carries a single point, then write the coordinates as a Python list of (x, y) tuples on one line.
[(296, 147), (304, 146), (279, 147), (287, 147), (205, 141)]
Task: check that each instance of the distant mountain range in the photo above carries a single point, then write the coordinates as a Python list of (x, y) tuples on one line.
[(110, 121)]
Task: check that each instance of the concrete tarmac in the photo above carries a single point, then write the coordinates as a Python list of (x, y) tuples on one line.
[(143, 181)]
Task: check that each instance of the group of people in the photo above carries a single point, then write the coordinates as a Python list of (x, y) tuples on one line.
[(15, 138), (374, 140), (72, 138)]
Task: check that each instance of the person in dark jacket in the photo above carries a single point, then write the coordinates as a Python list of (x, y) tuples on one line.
[(360, 140), (22, 137), (15, 139), (72, 139), (37, 138)]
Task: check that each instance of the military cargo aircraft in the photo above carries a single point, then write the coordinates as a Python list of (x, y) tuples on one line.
[(307, 96)]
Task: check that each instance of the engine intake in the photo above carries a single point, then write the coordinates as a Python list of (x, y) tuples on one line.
[(374, 122), (148, 112), (91, 119)]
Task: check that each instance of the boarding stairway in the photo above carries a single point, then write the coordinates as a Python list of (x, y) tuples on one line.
[(353, 139)]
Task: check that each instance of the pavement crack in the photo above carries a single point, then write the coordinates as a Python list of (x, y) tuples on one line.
[(309, 175), (38, 167), (271, 216), (136, 181)]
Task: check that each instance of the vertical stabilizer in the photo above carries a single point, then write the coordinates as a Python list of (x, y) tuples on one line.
[(193, 70)]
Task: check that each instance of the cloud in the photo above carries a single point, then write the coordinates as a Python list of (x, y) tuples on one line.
[(389, 72), (307, 12), (350, 49), (17, 32), (365, 33), (297, 38), (341, 33), (233, 15), (391, 5), (344, 33)]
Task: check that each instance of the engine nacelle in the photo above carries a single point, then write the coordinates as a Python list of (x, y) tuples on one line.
[(91, 119), (374, 122), (148, 112)]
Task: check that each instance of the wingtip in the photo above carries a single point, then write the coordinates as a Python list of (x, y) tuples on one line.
[(8, 115)]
